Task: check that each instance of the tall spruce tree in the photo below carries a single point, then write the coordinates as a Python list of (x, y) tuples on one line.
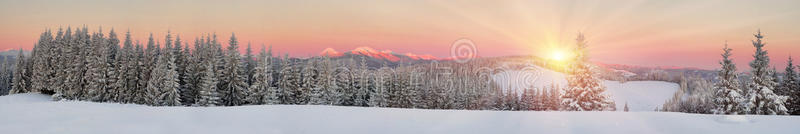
[(760, 96), (208, 87), (308, 82), (191, 75), (97, 73), (262, 80), (249, 65), (126, 79), (789, 87), (288, 82), (234, 92), (19, 82), (728, 96), (41, 71)]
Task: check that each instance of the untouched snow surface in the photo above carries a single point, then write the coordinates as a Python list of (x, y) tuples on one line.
[(36, 114), (640, 95)]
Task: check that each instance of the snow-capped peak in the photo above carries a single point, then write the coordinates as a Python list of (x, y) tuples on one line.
[(377, 54)]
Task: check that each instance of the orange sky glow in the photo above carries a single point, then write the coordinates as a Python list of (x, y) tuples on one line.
[(687, 33)]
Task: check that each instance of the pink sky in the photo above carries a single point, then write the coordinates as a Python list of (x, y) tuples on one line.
[(637, 32)]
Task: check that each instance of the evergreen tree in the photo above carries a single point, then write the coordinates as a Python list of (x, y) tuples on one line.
[(308, 82), (585, 91), (789, 87), (288, 83), (379, 96), (249, 65), (760, 98), (728, 94), (233, 93), (97, 73), (139, 94), (163, 86), (262, 80), (126, 79), (111, 49), (20, 79), (41, 71), (62, 64), (191, 78), (59, 63), (363, 86), (272, 93), (208, 88), (181, 63)]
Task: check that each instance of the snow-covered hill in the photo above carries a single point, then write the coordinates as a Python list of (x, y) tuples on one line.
[(36, 114), (640, 95)]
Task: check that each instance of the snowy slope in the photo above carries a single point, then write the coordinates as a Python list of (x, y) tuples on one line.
[(35, 114), (640, 95)]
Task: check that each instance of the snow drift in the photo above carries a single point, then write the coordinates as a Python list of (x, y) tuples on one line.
[(36, 114)]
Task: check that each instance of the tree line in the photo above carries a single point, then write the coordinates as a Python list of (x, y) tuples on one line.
[(92, 66), (761, 91)]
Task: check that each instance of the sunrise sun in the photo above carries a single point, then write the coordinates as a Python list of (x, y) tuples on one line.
[(558, 55)]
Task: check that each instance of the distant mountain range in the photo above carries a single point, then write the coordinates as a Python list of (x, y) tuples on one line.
[(387, 55)]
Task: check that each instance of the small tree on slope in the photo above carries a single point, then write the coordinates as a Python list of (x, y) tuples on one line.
[(585, 92), (760, 98), (728, 95)]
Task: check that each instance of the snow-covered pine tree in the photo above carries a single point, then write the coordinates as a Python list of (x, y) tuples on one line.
[(208, 87), (125, 78), (111, 48), (585, 91), (249, 64), (162, 88), (379, 97), (362, 84), (78, 52), (220, 64), (537, 103), (261, 80), (171, 83), (6, 72), (234, 92), (139, 93), (308, 82), (97, 73), (343, 85), (59, 63), (394, 85), (181, 63), (20, 80), (191, 77), (322, 93), (289, 82), (789, 87), (331, 93), (760, 97), (41, 71), (728, 95), (272, 93), (148, 62), (411, 88)]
